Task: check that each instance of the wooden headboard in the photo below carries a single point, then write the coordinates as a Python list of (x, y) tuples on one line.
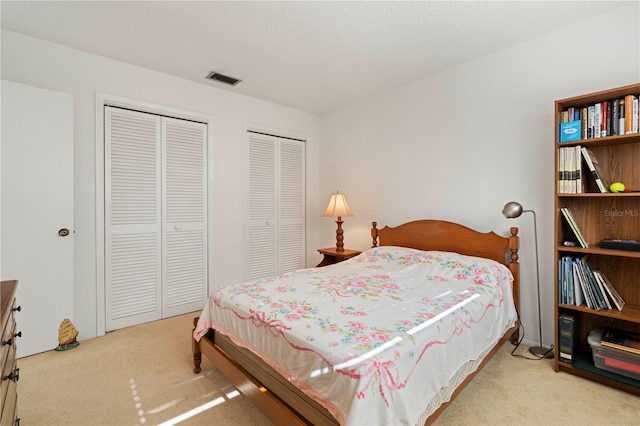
[(449, 236)]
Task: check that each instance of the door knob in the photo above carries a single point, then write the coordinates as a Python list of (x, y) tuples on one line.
[(63, 232)]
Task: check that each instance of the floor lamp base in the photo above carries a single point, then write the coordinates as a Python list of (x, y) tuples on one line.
[(541, 352)]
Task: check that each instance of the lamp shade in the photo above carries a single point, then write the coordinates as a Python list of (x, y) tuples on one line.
[(511, 210), (337, 207)]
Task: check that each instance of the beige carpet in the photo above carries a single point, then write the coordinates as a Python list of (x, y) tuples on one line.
[(143, 376)]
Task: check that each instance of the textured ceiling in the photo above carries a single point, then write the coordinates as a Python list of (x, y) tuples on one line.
[(310, 55)]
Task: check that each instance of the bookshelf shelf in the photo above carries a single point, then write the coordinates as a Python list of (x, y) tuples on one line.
[(598, 195), (598, 216), (606, 141), (600, 251), (628, 313)]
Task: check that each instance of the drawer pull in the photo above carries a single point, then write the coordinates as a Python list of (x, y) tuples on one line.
[(10, 341), (18, 308), (13, 376)]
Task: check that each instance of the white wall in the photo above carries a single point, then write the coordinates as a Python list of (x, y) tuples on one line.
[(460, 144), (42, 64)]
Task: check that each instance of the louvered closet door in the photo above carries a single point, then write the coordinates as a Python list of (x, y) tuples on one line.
[(291, 241), (276, 234), (155, 217), (133, 223), (262, 257), (184, 213)]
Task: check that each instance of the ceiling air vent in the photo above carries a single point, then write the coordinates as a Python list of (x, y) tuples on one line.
[(223, 78)]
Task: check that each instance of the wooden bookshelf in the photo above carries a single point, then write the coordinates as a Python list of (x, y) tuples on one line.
[(599, 216)]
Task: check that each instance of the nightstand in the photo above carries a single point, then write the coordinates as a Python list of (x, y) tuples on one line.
[(332, 255)]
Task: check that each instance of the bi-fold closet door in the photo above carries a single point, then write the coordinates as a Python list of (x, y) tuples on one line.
[(276, 205), (155, 217)]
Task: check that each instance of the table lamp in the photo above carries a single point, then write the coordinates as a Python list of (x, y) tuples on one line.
[(338, 208)]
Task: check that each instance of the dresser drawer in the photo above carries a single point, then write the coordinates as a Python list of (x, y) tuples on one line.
[(8, 340), (10, 407), (10, 375)]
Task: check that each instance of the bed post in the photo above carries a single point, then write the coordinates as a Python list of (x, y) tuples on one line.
[(195, 347), (374, 234), (514, 267)]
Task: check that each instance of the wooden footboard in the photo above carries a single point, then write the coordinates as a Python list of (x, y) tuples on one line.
[(271, 398), (273, 406)]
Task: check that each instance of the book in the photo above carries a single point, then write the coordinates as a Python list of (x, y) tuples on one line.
[(596, 171), (570, 131), (615, 117), (621, 339), (571, 177), (610, 105), (599, 298), (584, 286), (605, 119), (568, 216), (634, 115), (578, 289), (612, 293), (565, 288), (621, 114), (567, 172), (589, 294), (565, 274), (561, 170), (566, 337), (628, 108), (597, 121), (578, 162), (571, 284), (605, 300)]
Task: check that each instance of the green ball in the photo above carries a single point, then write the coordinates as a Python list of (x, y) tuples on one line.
[(616, 187)]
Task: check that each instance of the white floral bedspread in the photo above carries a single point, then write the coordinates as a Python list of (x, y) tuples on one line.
[(373, 338)]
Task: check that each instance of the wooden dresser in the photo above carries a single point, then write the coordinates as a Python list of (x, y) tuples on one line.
[(10, 372)]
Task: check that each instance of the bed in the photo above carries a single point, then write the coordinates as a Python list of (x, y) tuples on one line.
[(390, 336)]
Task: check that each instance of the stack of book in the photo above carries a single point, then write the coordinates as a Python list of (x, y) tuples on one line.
[(570, 170), (571, 179), (579, 283), (622, 340), (575, 231), (616, 350), (609, 118)]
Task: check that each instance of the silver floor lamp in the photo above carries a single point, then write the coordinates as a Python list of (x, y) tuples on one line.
[(512, 210)]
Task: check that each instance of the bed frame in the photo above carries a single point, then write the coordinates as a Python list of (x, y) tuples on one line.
[(282, 402)]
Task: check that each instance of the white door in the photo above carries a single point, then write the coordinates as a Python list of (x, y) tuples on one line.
[(184, 236), (155, 217), (276, 205), (133, 226), (37, 203), (291, 203), (262, 258)]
